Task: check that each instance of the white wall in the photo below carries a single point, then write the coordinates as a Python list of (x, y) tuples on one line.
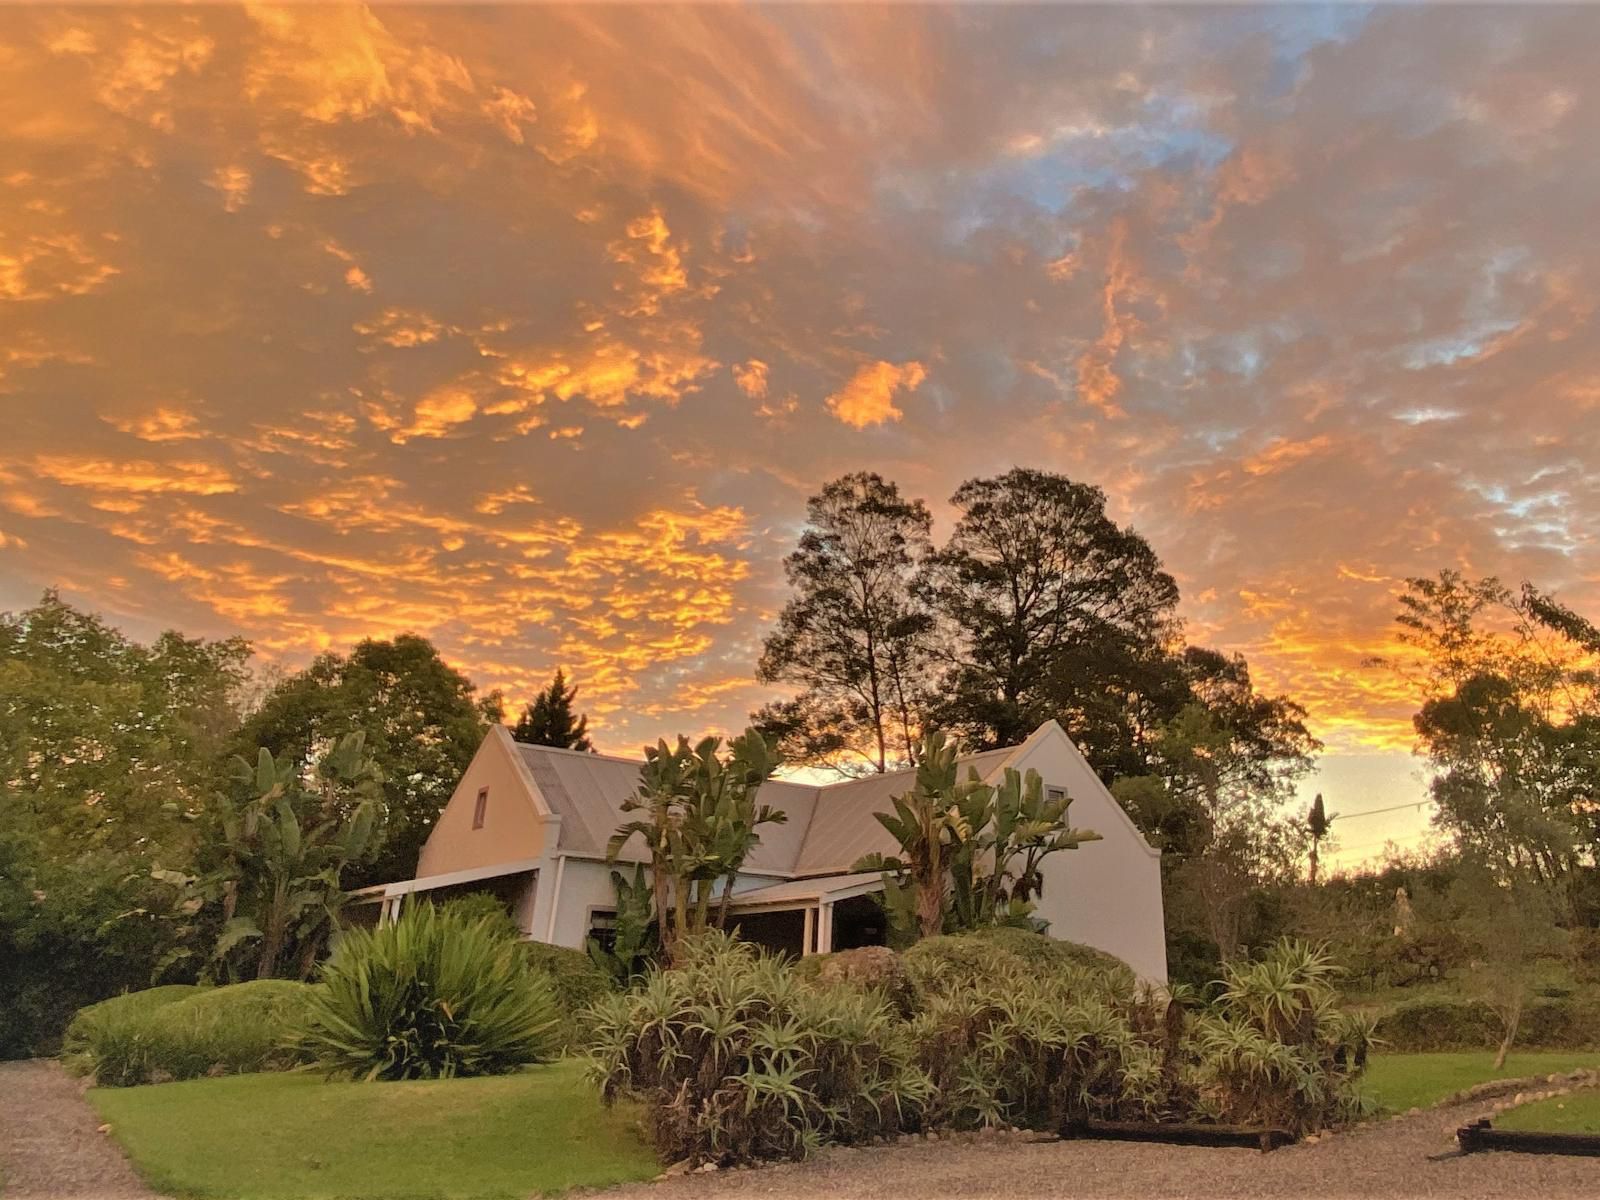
[(1105, 894)]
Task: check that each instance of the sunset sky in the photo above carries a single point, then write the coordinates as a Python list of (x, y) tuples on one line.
[(531, 329)]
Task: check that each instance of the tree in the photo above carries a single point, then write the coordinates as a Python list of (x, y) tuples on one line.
[(699, 821), (421, 720), (110, 745), (1034, 569), (853, 637), (1219, 812), (970, 853), (1318, 822), (550, 721), (1509, 720), (1511, 924)]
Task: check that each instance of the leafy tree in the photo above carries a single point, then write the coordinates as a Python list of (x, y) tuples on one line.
[(110, 745), (550, 721), (1220, 811), (700, 821), (1510, 720), (1318, 822), (854, 635), (1033, 569), (421, 720), (970, 853)]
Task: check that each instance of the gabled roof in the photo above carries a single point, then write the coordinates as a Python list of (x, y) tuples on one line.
[(829, 826)]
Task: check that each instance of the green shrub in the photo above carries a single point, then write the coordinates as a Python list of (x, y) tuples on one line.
[(576, 982), (429, 996), (1428, 1023), (738, 1059), (213, 1031), (937, 964), (82, 1028), (1276, 1050)]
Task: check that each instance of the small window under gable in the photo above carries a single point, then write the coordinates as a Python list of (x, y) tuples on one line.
[(1055, 793), (481, 810)]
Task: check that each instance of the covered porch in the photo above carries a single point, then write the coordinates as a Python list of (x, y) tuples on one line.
[(812, 916), (515, 884)]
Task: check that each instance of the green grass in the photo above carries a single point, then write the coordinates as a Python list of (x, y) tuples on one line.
[(1402, 1081), (1577, 1113), (296, 1137)]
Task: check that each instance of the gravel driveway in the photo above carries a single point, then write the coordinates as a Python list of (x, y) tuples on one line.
[(51, 1147), (1388, 1159)]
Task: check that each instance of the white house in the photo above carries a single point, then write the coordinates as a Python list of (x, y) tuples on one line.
[(531, 824)]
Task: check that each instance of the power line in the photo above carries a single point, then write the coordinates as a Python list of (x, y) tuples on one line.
[(1374, 812)]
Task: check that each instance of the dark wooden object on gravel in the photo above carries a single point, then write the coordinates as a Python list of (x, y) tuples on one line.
[(1482, 1135), (1182, 1135)]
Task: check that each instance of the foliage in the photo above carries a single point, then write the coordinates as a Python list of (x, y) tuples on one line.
[(739, 1055), (1434, 1023), (699, 823), (281, 855), (1510, 925), (107, 745), (422, 722), (107, 757), (550, 720), (635, 938), (738, 1060), (970, 852), (1277, 1051), (429, 996), (296, 1137), (1510, 720), (853, 637), (1035, 569), (144, 1038)]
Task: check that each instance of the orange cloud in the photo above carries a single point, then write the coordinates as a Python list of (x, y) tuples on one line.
[(869, 396)]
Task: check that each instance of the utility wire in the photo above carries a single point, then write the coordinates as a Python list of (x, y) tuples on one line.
[(1373, 812)]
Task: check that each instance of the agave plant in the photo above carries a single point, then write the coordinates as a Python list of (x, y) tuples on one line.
[(429, 996)]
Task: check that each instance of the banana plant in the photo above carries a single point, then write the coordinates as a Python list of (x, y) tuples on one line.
[(970, 853), (699, 820), (284, 849)]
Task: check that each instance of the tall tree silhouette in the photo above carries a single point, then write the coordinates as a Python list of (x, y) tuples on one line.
[(550, 720)]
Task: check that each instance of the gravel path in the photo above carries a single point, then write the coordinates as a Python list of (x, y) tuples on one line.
[(51, 1147), (1388, 1159)]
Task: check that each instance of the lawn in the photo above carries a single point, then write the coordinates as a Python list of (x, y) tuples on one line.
[(1577, 1113), (296, 1137), (1402, 1081)]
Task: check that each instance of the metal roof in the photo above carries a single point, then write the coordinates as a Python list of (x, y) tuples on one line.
[(797, 891), (829, 827)]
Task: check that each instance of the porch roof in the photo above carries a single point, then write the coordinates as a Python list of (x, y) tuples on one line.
[(806, 893)]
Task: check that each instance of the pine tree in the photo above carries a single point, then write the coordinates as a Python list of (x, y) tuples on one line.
[(549, 720)]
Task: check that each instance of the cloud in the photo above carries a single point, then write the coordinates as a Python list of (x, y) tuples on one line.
[(532, 329), (869, 396)]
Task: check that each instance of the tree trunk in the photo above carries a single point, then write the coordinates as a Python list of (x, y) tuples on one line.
[(1313, 862), (1513, 1018)]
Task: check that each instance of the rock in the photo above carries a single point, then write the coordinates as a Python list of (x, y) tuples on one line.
[(682, 1167), (105, 1129), (1413, 1112), (1310, 1140), (708, 1168)]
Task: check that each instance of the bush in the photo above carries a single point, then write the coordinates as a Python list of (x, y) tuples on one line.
[(1424, 1024), (430, 996), (875, 969), (1276, 1051), (575, 981), (738, 1059), (158, 1035), (937, 964)]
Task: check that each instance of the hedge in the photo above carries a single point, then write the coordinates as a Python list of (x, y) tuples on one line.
[(1564, 1023), (144, 1038)]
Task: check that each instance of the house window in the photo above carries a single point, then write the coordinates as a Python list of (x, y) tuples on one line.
[(603, 928), (482, 808)]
